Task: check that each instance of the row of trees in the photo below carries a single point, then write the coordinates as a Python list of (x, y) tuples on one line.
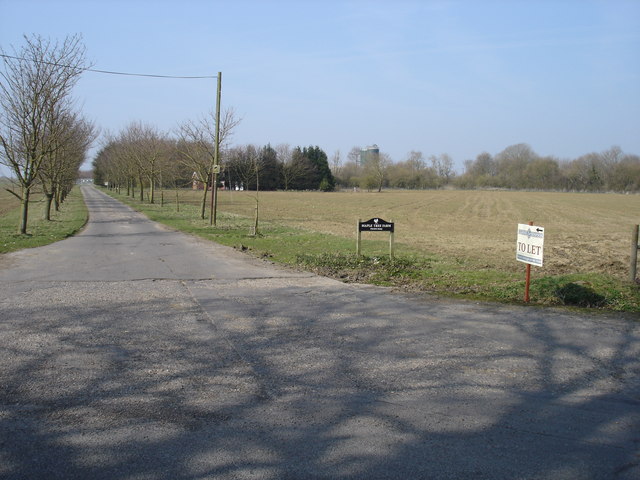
[(279, 168), (516, 167), (140, 158), (43, 138), (379, 171), (519, 167)]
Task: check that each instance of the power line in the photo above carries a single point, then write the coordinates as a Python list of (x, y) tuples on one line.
[(148, 74), (109, 72)]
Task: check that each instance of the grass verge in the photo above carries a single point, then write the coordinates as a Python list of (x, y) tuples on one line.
[(410, 270), (65, 223)]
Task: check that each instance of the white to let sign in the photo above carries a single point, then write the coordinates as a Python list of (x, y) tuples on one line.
[(530, 243)]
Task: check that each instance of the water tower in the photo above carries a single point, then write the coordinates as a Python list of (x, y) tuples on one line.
[(369, 153)]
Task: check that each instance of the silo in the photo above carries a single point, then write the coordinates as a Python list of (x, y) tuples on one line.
[(369, 153)]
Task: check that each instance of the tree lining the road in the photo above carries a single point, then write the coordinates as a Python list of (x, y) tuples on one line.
[(41, 134)]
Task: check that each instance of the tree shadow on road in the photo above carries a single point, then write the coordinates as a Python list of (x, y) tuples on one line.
[(247, 380)]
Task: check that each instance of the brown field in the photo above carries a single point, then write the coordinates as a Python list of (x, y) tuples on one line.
[(584, 233)]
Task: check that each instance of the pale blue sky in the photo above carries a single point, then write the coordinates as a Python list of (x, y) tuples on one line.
[(456, 77)]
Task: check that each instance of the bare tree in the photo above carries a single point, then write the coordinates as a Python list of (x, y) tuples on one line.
[(145, 147), (443, 166), (412, 173), (336, 163), (376, 171), (354, 155), (173, 172), (291, 169), (511, 164), (60, 167), (625, 176), (196, 144), (35, 95), (415, 161), (246, 164)]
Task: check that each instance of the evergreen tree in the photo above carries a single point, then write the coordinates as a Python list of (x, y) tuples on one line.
[(269, 169), (300, 163), (319, 174)]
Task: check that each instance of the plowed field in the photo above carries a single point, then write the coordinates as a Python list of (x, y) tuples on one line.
[(583, 232)]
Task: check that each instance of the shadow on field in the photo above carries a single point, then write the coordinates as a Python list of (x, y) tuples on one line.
[(313, 383)]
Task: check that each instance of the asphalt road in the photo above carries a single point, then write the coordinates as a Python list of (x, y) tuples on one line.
[(134, 352)]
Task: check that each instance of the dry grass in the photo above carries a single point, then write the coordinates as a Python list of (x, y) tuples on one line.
[(584, 233), (7, 201)]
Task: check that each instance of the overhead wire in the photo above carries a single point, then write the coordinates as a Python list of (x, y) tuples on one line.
[(110, 72)]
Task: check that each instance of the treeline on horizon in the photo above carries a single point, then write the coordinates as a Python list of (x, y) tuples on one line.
[(145, 165), (143, 159), (517, 167)]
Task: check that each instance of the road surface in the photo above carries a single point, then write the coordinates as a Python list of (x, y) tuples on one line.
[(134, 352)]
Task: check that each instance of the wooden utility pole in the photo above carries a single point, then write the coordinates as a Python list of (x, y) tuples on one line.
[(213, 214)]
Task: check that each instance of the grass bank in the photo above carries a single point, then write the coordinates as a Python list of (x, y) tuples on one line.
[(412, 269), (65, 223)]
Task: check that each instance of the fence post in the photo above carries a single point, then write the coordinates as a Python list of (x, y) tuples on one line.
[(634, 253), (391, 243)]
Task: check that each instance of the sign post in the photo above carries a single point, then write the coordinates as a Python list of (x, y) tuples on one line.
[(529, 249), (634, 253), (375, 225)]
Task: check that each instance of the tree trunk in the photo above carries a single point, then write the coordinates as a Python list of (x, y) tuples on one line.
[(141, 189), (47, 206), (255, 224), (255, 221), (24, 215), (204, 200), (57, 200), (152, 190)]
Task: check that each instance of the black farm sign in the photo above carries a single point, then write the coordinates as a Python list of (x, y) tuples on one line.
[(375, 225)]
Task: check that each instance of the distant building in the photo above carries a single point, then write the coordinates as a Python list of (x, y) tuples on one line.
[(369, 153), (85, 177), (196, 184)]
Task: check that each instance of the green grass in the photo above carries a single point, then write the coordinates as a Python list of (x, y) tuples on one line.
[(65, 223), (412, 269)]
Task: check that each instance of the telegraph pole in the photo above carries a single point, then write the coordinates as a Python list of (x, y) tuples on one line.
[(213, 214)]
